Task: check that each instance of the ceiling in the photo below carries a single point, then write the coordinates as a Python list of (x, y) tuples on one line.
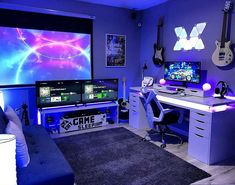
[(130, 4)]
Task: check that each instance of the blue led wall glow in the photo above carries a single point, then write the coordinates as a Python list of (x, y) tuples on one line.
[(194, 40)]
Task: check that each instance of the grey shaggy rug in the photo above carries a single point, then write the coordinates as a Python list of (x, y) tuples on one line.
[(119, 157)]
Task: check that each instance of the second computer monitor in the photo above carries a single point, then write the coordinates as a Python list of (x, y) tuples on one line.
[(99, 90)]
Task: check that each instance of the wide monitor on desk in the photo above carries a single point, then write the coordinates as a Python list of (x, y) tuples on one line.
[(183, 71)]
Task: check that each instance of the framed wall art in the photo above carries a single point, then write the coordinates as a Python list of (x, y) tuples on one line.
[(115, 46)]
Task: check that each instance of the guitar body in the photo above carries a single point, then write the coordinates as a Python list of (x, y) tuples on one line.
[(158, 51), (222, 56), (157, 56), (123, 104), (123, 109)]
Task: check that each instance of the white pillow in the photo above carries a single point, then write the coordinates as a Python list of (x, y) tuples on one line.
[(11, 115), (22, 154)]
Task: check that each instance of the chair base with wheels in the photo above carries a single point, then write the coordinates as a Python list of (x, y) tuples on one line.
[(163, 133), (159, 118)]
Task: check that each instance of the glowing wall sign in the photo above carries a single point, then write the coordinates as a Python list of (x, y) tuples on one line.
[(193, 41)]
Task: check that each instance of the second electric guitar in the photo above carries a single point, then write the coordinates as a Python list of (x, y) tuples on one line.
[(223, 55), (157, 56)]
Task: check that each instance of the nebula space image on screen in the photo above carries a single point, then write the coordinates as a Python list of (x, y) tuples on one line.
[(29, 55)]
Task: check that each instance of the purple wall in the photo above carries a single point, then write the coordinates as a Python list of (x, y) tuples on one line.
[(108, 20), (187, 14), (140, 40)]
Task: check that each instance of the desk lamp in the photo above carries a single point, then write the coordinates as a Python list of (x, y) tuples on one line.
[(7, 159)]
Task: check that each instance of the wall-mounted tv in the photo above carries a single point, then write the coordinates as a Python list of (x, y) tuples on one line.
[(42, 47), (99, 90), (58, 93), (184, 71)]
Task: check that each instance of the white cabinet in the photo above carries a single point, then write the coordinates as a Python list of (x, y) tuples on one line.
[(199, 135), (211, 135), (200, 123), (137, 115)]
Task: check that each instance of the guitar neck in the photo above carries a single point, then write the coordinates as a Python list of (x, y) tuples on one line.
[(158, 37), (124, 91), (223, 35)]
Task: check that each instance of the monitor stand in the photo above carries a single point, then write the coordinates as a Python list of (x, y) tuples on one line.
[(189, 91), (183, 85)]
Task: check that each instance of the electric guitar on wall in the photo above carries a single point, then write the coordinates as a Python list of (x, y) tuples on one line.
[(223, 55), (123, 103), (157, 56)]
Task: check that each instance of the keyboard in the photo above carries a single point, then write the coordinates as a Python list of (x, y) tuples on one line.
[(168, 91)]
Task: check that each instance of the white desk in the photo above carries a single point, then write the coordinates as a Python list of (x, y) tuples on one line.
[(211, 123)]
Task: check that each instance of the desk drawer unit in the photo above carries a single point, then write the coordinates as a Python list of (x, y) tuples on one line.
[(134, 110), (134, 98), (200, 115), (199, 135), (200, 123), (134, 103), (137, 115), (199, 147)]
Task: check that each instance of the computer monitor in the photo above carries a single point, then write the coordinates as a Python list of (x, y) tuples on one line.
[(58, 93), (183, 71), (99, 90)]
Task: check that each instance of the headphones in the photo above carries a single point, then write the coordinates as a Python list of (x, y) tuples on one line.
[(223, 90)]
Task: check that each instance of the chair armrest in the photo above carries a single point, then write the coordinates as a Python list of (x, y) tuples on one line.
[(181, 115), (180, 112), (162, 114), (166, 111)]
